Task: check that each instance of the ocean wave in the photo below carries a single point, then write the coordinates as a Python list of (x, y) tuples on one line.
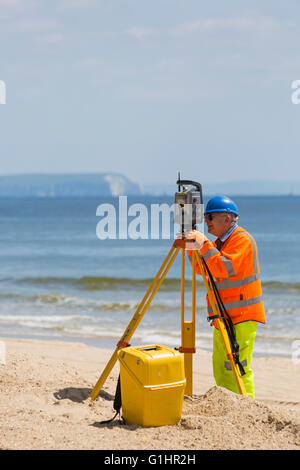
[(289, 337), (278, 285), (284, 311), (84, 326), (116, 283), (4, 295), (102, 283), (52, 322), (91, 327), (72, 302)]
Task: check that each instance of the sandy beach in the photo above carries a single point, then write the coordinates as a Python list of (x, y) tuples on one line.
[(45, 387)]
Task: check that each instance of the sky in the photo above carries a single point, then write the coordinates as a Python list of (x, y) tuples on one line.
[(150, 88)]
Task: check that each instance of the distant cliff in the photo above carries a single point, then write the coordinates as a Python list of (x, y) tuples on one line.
[(67, 185), (247, 188)]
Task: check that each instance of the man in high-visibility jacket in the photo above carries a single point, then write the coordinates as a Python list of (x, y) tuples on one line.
[(233, 262)]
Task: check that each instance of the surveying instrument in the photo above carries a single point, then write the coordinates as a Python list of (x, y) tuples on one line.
[(188, 213)]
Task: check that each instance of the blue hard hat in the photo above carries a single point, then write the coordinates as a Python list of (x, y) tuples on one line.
[(221, 204)]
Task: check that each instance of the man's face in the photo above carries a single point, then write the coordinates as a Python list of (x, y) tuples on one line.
[(217, 223)]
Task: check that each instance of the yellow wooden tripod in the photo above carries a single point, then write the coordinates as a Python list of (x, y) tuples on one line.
[(188, 330)]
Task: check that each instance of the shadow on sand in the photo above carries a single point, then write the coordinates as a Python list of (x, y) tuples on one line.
[(79, 395)]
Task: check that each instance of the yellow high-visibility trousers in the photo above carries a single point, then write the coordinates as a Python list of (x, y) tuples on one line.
[(224, 377)]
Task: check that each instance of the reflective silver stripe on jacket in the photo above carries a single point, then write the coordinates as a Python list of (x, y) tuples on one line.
[(228, 266), (226, 261), (239, 304), (227, 284), (209, 253)]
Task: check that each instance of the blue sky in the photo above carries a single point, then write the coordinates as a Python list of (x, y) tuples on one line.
[(148, 88)]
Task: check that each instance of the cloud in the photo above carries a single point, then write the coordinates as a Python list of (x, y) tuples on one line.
[(77, 4), (89, 62), (139, 32), (243, 23), (34, 25), (238, 24), (10, 3), (15, 5), (51, 38)]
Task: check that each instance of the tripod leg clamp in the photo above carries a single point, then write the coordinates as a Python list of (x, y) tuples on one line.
[(213, 317), (187, 350)]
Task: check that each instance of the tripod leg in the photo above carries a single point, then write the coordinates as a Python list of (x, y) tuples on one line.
[(222, 330), (187, 330), (141, 310)]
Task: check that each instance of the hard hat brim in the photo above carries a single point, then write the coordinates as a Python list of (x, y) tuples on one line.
[(220, 210)]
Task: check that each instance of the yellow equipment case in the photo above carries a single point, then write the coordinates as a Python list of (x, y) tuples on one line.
[(152, 385)]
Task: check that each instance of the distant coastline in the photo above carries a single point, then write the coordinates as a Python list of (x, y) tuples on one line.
[(238, 188), (67, 185), (116, 184)]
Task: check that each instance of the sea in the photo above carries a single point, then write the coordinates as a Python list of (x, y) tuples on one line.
[(59, 280)]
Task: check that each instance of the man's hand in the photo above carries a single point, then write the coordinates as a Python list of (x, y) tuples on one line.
[(199, 238)]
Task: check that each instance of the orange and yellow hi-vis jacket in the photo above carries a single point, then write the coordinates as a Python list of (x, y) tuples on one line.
[(235, 269)]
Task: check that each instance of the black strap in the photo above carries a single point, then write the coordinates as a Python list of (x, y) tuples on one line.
[(213, 317), (117, 405), (109, 420), (117, 402), (118, 399)]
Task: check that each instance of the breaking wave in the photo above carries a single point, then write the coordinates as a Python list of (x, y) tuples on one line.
[(116, 283)]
